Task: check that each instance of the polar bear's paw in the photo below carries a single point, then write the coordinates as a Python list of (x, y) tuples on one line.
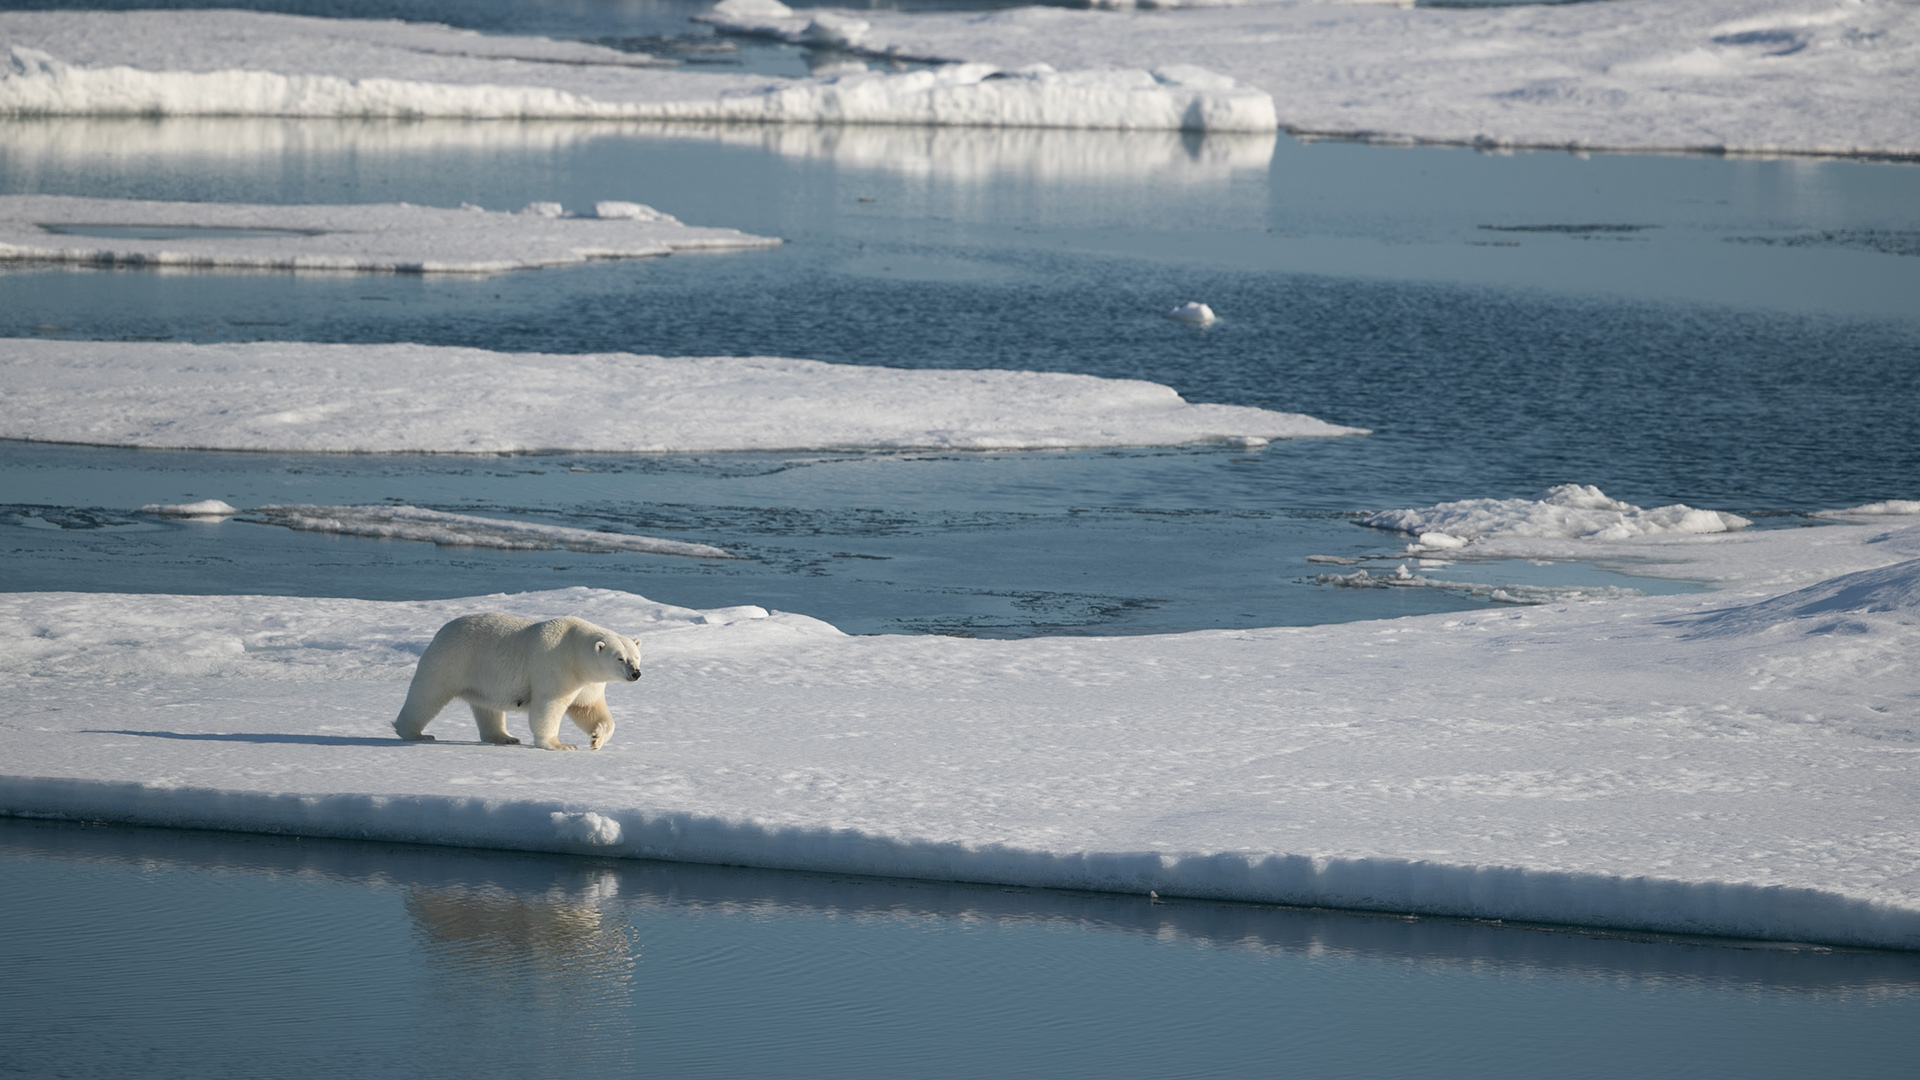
[(504, 740), (554, 745)]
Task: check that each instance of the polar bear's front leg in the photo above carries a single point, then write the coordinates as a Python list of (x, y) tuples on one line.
[(544, 718), (594, 719), (493, 725)]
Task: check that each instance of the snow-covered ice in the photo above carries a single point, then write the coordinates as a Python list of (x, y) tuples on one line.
[(1756, 76), (1564, 512), (395, 237), (393, 398), (462, 530), (1740, 763), (231, 63)]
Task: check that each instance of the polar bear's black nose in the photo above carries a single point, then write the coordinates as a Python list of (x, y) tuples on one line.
[(635, 677)]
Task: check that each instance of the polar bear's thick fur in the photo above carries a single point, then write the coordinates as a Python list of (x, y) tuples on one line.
[(500, 662)]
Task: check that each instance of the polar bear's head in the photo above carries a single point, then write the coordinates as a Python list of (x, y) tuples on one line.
[(618, 655)]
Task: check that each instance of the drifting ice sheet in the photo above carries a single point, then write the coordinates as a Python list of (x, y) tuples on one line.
[(465, 530), (394, 237), (1566, 512), (394, 398), (233, 63), (1500, 764), (1805, 76)]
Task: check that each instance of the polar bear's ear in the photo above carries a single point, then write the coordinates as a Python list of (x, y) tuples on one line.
[(599, 646)]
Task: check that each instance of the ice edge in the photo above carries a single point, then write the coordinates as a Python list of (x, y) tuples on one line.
[(1419, 887)]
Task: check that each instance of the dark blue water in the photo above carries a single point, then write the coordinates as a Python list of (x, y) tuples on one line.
[(160, 954)]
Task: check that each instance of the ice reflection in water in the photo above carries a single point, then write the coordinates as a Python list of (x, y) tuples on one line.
[(219, 954)]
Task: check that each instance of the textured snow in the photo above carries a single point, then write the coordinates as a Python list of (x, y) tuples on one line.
[(394, 237), (1803, 76), (309, 397), (1568, 511), (1740, 763), (229, 63), (465, 530)]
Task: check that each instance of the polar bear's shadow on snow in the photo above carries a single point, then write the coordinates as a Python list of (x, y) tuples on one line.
[(249, 737)]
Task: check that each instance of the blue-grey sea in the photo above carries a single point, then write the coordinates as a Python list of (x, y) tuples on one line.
[(1736, 334)]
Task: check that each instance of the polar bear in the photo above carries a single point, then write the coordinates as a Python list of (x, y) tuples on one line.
[(498, 662)]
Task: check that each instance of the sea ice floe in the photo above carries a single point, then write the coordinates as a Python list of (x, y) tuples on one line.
[(184, 63), (1756, 76), (395, 237), (389, 398), (1565, 512), (1736, 763), (466, 530), (1887, 508)]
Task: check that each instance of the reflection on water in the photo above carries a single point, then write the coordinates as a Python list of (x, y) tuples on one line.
[(960, 155), (219, 954)]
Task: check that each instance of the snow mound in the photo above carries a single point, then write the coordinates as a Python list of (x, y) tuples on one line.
[(205, 508), (394, 237), (391, 398), (467, 530), (1568, 511), (1840, 606)]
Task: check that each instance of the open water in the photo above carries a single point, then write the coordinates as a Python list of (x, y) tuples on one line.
[(1735, 334)]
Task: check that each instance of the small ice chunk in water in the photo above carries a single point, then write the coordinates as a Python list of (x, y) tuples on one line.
[(205, 508), (835, 31), (1439, 541), (753, 9), (545, 209), (594, 830), (1193, 312)]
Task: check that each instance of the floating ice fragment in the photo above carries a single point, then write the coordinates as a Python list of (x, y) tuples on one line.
[(835, 31), (468, 530), (1566, 512), (753, 9), (545, 209), (1193, 312), (205, 508), (1439, 541)]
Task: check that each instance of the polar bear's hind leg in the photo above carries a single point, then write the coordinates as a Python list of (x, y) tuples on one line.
[(493, 725), (421, 707)]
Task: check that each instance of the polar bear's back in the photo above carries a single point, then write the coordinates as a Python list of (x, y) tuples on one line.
[(477, 650)]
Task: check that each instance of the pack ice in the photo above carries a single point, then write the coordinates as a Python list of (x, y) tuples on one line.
[(236, 63), (395, 237), (1739, 763), (396, 398)]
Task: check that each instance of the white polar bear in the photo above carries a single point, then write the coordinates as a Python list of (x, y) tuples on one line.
[(499, 662)]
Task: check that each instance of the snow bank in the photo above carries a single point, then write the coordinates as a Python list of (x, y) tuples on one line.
[(1754, 76), (462, 530), (1889, 508), (256, 64), (389, 398), (1568, 511), (395, 237), (1737, 763)]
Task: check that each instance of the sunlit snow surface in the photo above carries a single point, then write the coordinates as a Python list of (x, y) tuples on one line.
[(384, 398), (1740, 763), (1825, 76), (397, 237), (229, 63)]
